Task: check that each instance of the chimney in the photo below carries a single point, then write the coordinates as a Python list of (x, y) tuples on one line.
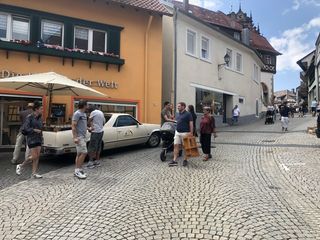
[(186, 5)]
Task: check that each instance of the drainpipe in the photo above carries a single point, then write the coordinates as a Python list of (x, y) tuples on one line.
[(146, 60), (175, 15), (1, 122)]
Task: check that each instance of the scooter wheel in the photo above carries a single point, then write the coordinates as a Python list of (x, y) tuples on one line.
[(163, 155)]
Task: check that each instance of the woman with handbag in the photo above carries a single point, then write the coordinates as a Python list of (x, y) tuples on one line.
[(207, 128), (32, 128)]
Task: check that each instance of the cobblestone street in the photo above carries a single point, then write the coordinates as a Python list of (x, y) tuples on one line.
[(260, 184)]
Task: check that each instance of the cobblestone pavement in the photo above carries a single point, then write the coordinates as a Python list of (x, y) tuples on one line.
[(261, 184)]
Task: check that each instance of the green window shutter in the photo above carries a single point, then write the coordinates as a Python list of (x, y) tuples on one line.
[(35, 29), (68, 34), (114, 42)]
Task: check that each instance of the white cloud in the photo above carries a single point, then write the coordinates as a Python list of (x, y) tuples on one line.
[(295, 43), (296, 5)]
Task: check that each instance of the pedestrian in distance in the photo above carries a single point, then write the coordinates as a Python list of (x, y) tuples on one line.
[(235, 114), (207, 128), (184, 129), (194, 117), (314, 104), (32, 128), (79, 132), (95, 123), (284, 112), (20, 137)]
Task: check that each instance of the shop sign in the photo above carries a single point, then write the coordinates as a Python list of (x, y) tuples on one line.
[(89, 83)]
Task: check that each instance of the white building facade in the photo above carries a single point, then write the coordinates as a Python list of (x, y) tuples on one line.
[(199, 75)]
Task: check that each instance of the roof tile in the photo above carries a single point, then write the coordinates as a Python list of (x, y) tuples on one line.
[(150, 5)]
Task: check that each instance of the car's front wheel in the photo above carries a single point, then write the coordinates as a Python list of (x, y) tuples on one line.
[(154, 140)]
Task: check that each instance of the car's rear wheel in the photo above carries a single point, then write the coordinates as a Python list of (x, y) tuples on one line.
[(154, 140)]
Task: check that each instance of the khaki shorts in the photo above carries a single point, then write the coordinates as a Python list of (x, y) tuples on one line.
[(81, 146), (178, 137)]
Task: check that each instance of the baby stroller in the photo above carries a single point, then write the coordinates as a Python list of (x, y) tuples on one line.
[(269, 117), (167, 132)]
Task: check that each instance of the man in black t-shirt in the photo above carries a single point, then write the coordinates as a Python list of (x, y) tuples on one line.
[(284, 112), (184, 128)]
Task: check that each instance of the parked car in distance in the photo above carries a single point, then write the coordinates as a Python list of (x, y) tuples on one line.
[(120, 130)]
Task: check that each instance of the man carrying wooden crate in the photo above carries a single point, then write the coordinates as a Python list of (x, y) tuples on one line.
[(184, 129)]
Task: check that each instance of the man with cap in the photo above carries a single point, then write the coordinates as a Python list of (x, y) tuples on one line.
[(20, 137)]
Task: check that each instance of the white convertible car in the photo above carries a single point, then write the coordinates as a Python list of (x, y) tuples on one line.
[(120, 130)]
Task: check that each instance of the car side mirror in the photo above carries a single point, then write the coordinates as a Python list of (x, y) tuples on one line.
[(137, 125)]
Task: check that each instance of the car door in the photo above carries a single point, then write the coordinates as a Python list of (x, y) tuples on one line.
[(129, 131)]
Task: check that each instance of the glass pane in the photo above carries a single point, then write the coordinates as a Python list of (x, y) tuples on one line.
[(81, 38), (239, 62), (20, 28), (229, 52), (52, 33), (191, 42), (3, 26), (209, 98), (204, 48), (99, 41)]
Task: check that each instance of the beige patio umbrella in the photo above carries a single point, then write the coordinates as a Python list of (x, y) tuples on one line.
[(49, 84)]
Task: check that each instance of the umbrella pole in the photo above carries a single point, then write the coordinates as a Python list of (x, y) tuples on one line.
[(49, 105)]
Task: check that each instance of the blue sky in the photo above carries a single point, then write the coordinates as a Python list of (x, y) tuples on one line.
[(291, 26)]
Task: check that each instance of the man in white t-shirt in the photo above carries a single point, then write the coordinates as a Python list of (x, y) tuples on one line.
[(235, 114), (96, 123)]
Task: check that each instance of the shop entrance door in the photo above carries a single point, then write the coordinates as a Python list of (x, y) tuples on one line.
[(10, 107)]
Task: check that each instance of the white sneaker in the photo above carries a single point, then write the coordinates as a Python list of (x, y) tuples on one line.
[(36, 176), (80, 175), (90, 165), (18, 169)]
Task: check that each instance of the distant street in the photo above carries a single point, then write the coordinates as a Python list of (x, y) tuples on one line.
[(260, 184)]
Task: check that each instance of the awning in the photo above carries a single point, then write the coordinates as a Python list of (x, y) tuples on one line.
[(213, 89)]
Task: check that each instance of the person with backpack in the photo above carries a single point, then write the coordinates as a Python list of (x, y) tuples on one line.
[(32, 128), (207, 128)]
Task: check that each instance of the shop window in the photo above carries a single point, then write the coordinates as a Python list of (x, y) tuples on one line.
[(229, 52), (205, 48), (211, 99), (13, 113), (191, 42), (90, 39), (239, 62), (14, 27), (52, 32)]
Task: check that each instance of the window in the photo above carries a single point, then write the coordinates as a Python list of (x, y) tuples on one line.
[(209, 98), (241, 100), (236, 35), (125, 121), (14, 27), (239, 62), (89, 39), (191, 42), (52, 32), (81, 39), (3, 26), (268, 59), (255, 72), (229, 52), (205, 48)]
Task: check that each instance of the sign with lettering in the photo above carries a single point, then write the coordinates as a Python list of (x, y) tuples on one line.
[(89, 83)]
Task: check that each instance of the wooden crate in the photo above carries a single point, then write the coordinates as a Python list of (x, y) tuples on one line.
[(190, 147)]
